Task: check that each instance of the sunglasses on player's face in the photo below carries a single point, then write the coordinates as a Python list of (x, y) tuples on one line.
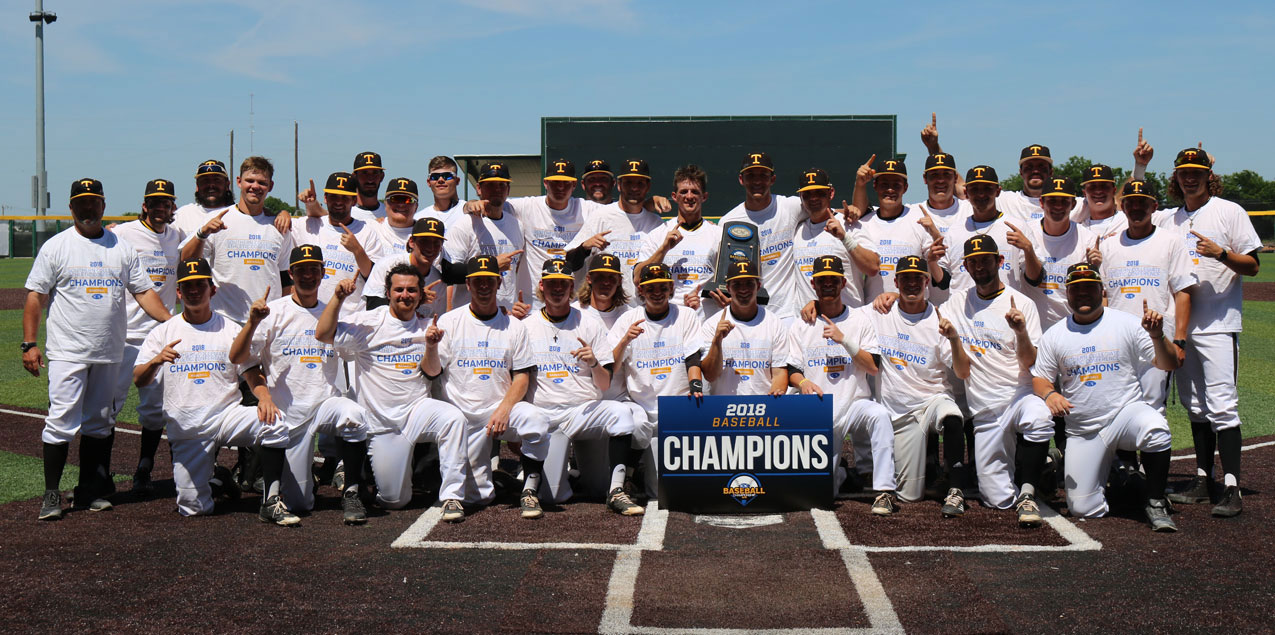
[(442, 176), (399, 200)]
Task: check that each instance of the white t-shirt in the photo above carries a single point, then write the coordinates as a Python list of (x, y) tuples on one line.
[(477, 235), (1106, 227), (690, 262), (992, 346), (828, 364), (301, 371), (562, 381), (776, 226), (479, 358), (1216, 302), (1056, 254), (394, 239), (1096, 365), (191, 217), (1152, 269), (158, 255), (200, 384), (86, 281), (893, 240), (810, 241), (654, 363), (547, 231), (948, 216), (246, 258), (1020, 206), (375, 286), (628, 233), (339, 263), (914, 358), (369, 215), (387, 354), (749, 352), (445, 215), (954, 262)]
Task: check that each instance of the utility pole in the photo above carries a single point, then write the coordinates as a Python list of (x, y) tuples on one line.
[(40, 183), (252, 127), (296, 167), (230, 167)]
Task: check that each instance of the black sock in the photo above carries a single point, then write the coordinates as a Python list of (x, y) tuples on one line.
[(531, 466), (969, 437), (953, 442), (90, 454), (1032, 457), (618, 451), (1129, 457), (271, 461), (1205, 442), (1228, 445), (353, 454), (1060, 433), (54, 463), (150, 444), (1157, 467), (105, 449)]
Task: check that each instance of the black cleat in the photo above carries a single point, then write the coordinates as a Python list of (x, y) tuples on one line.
[(352, 510), (954, 503), (1196, 494), (51, 506), (1231, 504)]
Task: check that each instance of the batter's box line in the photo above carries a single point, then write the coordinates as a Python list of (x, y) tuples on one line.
[(650, 537), (834, 537)]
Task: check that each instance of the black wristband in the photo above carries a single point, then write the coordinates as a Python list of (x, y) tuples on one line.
[(697, 385)]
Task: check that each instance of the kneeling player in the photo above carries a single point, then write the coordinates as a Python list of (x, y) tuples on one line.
[(658, 348), (837, 352), (190, 356), (302, 374), (573, 369), (486, 364), (1097, 357)]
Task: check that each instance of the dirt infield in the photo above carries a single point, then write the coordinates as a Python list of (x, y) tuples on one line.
[(143, 568)]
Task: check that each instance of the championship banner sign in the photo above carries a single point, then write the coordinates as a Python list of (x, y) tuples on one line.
[(742, 455)]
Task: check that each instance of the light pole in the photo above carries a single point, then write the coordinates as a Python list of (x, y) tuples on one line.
[(40, 184)]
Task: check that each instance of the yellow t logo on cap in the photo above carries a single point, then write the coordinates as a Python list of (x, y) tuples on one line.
[(1058, 183), (827, 261), (367, 159), (606, 261), (340, 181), (562, 167), (305, 249), (159, 185), (756, 159), (495, 166), (938, 159), (978, 243), (889, 165), (810, 178), (1035, 151), (633, 165), (1137, 187), (1097, 171), (402, 184), (484, 262), (193, 265), (978, 173), (432, 224), (86, 183)]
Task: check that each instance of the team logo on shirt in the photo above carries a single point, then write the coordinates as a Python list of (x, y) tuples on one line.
[(1091, 379), (662, 372), (558, 376), (311, 362), (483, 373), (743, 487), (198, 377)]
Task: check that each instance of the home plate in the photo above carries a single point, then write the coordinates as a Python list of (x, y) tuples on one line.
[(740, 522)]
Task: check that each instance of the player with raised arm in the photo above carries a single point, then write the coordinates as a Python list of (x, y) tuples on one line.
[(833, 358), (493, 231), (349, 245), (823, 234), (998, 327), (687, 244), (1095, 357), (746, 347), (626, 223), (1048, 247), (190, 356), (985, 219), (895, 230), (1035, 166)]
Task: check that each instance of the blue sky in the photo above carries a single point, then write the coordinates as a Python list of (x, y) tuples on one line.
[(149, 88)]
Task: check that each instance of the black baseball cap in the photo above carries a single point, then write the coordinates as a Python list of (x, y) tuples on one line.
[(892, 166), (194, 269), (605, 262), (911, 264), (403, 187), (560, 170), (979, 245), (981, 174), (494, 172), (757, 160), (1082, 272), (1098, 173), (482, 266), (161, 188), (211, 166), (1059, 186), (635, 167), (1192, 158), (598, 166), (305, 253), (828, 266), (1139, 187), (556, 269), (341, 184), (813, 179), (1035, 151), (940, 161), (428, 227), (87, 187), (367, 161), (654, 272), (741, 269)]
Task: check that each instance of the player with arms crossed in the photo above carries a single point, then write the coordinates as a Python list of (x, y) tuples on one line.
[(832, 358), (1095, 357)]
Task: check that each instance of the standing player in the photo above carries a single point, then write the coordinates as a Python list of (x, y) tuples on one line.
[(497, 232), (1035, 165), (915, 344), (190, 356), (776, 218), (1223, 245), (985, 219), (625, 223), (598, 182), (483, 356), (1098, 211), (349, 245), (426, 248), (1049, 247), (746, 346), (833, 357), (401, 203), (301, 374), (243, 246), (657, 353), (444, 176), (212, 194), (368, 172), (157, 244), (944, 208), (386, 344), (895, 230), (823, 235), (998, 326), (568, 388), (1095, 357), (82, 275), (1148, 265), (689, 243)]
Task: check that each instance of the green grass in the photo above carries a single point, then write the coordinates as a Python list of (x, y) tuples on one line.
[(23, 477), (13, 272)]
